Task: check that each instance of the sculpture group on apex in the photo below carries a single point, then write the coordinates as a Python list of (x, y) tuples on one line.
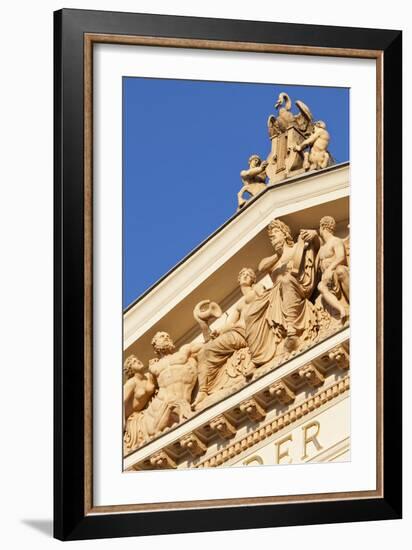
[(298, 145), (308, 300)]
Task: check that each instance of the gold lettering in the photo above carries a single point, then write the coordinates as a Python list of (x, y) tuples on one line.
[(283, 454), (313, 438), (254, 458)]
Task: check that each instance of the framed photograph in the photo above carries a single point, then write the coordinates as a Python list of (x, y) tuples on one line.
[(227, 274)]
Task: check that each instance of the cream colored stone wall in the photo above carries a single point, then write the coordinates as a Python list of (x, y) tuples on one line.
[(321, 438)]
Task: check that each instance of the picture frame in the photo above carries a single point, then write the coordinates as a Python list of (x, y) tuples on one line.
[(76, 32)]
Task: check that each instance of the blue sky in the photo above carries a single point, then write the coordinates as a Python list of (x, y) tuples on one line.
[(184, 144)]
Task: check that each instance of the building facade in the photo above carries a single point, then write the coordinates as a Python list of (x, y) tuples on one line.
[(240, 355)]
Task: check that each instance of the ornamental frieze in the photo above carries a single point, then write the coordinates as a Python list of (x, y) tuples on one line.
[(270, 408)]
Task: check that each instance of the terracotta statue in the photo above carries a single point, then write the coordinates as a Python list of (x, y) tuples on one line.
[(292, 269), (205, 312), (332, 263), (138, 387), (286, 119), (318, 157), (215, 353), (253, 179), (285, 116), (176, 375)]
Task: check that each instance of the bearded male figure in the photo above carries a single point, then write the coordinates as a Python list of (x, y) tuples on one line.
[(286, 306), (176, 375)]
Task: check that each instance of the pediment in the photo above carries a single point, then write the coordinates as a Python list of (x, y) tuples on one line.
[(210, 272)]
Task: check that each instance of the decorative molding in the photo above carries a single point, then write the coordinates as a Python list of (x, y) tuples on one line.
[(193, 443), (223, 427), (341, 357), (312, 375), (282, 393), (333, 452), (253, 410), (289, 417), (162, 461)]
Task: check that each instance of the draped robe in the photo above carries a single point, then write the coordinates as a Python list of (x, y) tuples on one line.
[(285, 305)]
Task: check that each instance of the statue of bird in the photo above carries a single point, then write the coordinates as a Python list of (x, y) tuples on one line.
[(285, 117)]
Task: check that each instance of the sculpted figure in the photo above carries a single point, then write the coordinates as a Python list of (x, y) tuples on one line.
[(214, 354), (204, 313), (318, 157), (176, 375), (253, 179), (138, 387), (292, 269), (286, 119), (285, 115), (332, 264)]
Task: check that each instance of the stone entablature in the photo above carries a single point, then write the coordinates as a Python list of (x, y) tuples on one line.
[(233, 346), (268, 404), (316, 431), (232, 453)]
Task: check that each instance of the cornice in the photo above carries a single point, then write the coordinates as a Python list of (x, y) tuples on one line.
[(280, 390), (287, 418)]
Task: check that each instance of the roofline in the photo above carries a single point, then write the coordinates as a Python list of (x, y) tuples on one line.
[(227, 222)]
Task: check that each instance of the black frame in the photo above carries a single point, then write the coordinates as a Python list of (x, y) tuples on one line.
[(70, 521)]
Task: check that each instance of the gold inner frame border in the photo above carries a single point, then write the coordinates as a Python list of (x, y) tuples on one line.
[(93, 38)]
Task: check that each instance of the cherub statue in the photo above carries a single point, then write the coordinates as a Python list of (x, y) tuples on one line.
[(318, 157), (253, 179)]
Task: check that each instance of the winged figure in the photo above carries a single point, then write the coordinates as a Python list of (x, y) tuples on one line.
[(285, 119)]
